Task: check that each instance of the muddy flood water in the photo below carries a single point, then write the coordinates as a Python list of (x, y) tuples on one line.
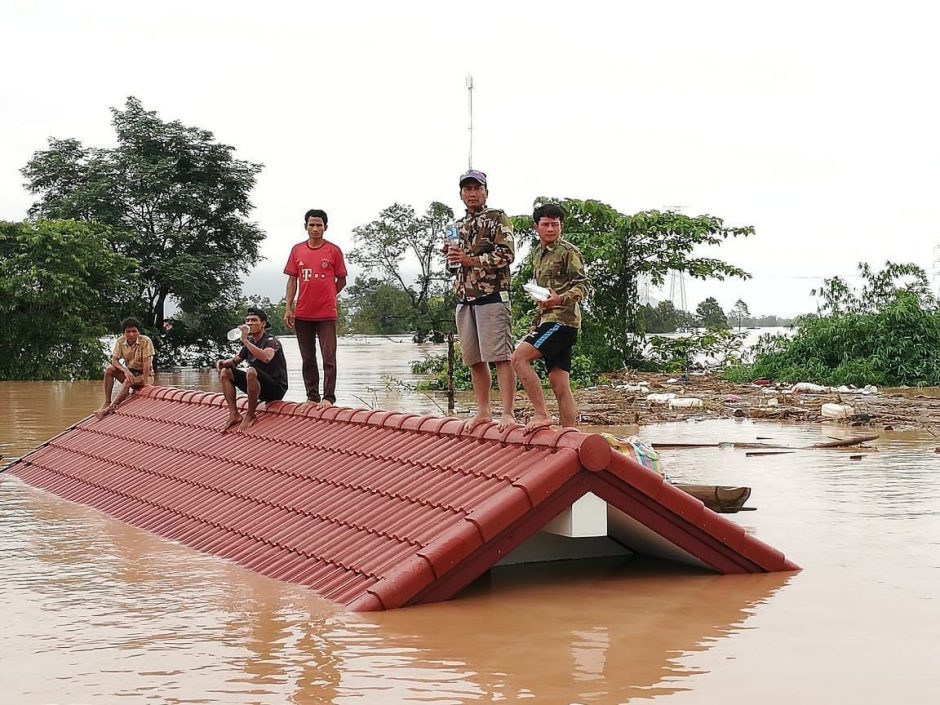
[(95, 611)]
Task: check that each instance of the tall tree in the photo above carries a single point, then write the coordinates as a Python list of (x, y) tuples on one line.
[(378, 307), (176, 200), (739, 312), (61, 289), (710, 314), (399, 241), (618, 249)]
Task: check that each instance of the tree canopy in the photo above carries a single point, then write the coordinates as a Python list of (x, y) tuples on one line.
[(385, 248), (710, 315), (619, 248), (60, 285), (172, 198)]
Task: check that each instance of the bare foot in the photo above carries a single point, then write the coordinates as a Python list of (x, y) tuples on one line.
[(325, 403), (536, 423), (247, 422), (233, 418), (505, 421), (475, 421), (311, 402), (104, 410)]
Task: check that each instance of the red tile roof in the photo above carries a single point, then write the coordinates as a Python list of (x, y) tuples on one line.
[(372, 509)]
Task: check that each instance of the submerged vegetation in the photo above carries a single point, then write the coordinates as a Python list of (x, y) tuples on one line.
[(887, 334)]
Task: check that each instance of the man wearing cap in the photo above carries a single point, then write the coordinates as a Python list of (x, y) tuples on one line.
[(266, 377), (484, 319)]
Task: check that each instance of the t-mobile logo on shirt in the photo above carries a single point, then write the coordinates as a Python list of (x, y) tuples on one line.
[(308, 274)]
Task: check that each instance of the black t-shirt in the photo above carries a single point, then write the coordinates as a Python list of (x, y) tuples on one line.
[(277, 368)]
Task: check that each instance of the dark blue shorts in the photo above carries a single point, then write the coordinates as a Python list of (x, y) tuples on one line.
[(554, 341)]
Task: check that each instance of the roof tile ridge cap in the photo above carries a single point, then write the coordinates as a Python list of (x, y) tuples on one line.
[(330, 413), (150, 390), (593, 449)]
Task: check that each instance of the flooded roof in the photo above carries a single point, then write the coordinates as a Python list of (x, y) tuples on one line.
[(371, 509)]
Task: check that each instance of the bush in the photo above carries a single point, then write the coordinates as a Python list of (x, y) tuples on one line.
[(894, 345)]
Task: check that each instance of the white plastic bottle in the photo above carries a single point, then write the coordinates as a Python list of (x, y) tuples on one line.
[(452, 238)]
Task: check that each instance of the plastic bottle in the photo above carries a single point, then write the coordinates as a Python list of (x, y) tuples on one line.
[(452, 238), (235, 333)]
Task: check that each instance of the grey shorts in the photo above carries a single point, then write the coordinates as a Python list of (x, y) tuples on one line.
[(485, 332)]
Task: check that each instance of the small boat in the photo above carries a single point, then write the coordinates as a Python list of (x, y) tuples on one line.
[(720, 498)]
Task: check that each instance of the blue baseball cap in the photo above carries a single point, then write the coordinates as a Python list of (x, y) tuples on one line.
[(473, 175)]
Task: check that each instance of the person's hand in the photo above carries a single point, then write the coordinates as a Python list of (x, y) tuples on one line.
[(222, 364), (245, 330), (289, 319), (457, 256), (553, 301)]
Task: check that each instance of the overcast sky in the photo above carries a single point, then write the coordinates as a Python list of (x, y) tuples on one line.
[(817, 123)]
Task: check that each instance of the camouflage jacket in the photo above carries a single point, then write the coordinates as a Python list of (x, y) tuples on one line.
[(487, 237), (560, 266)]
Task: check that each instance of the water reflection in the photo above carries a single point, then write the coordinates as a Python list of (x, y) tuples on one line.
[(600, 632), (113, 611)]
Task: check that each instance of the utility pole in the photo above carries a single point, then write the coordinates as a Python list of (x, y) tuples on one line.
[(470, 111)]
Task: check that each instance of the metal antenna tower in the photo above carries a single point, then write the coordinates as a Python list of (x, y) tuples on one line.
[(470, 111), (677, 281)]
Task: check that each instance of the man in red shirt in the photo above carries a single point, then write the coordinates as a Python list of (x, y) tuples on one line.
[(316, 273)]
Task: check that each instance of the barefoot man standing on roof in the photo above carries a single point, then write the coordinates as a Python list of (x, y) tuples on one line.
[(484, 319), (558, 266)]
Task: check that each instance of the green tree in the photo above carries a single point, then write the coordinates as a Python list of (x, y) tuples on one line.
[(618, 249), (175, 200), (61, 289), (400, 238), (739, 312), (377, 307), (887, 333), (710, 315), (878, 289)]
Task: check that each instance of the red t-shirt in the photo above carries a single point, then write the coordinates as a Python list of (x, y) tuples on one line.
[(316, 271)]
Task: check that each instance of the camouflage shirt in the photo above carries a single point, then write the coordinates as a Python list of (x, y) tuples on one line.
[(487, 237), (560, 267)]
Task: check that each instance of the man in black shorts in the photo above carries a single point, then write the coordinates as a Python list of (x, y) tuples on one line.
[(558, 266), (266, 377)]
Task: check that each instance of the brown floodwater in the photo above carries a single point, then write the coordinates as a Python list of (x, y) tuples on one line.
[(96, 611)]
